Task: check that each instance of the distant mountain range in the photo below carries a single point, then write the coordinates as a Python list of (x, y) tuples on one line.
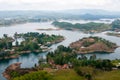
[(67, 14), (90, 11)]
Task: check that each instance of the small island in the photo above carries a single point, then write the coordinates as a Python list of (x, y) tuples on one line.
[(92, 45), (30, 42), (113, 34)]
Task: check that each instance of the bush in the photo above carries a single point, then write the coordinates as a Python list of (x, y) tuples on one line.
[(87, 72)]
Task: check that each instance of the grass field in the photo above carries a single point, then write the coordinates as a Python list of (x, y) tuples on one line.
[(71, 75), (67, 74), (112, 75)]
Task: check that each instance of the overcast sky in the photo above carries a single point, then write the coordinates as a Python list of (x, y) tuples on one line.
[(59, 4)]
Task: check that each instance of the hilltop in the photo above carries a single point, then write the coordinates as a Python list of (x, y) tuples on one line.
[(93, 44)]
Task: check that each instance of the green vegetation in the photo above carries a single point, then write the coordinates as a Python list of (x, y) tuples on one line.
[(97, 39), (111, 75), (14, 74), (67, 74), (87, 72), (83, 66), (43, 38), (91, 27), (79, 68), (31, 42), (93, 44), (39, 75), (113, 34), (70, 74), (116, 62), (100, 75), (62, 55), (6, 42), (5, 45), (97, 64), (88, 27), (116, 24)]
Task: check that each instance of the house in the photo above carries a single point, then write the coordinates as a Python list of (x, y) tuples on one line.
[(65, 66)]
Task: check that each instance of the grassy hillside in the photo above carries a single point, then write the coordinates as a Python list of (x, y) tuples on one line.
[(112, 75), (68, 74)]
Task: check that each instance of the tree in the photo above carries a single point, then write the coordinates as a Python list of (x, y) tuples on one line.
[(93, 57), (116, 24), (5, 37), (17, 43)]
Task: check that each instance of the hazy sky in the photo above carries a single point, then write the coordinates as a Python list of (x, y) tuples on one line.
[(59, 4)]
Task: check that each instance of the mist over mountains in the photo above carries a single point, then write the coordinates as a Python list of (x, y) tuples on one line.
[(72, 13)]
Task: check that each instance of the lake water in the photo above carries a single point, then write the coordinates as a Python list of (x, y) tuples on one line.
[(29, 60)]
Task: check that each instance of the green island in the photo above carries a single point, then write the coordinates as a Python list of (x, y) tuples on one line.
[(92, 45), (113, 34), (64, 64), (31, 42), (90, 27)]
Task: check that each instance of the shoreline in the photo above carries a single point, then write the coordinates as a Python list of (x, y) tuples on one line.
[(93, 45), (50, 29), (113, 34), (17, 54)]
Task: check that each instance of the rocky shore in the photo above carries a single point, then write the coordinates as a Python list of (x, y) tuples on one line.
[(16, 68)]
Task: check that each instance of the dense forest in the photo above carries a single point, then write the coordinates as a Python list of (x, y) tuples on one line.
[(88, 27)]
